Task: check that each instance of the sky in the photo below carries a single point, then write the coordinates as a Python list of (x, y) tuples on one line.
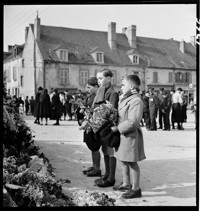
[(163, 21)]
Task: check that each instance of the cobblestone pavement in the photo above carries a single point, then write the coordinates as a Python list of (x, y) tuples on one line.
[(168, 175)]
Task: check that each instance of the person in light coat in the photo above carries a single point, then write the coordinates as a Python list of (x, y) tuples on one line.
[(131, 148)]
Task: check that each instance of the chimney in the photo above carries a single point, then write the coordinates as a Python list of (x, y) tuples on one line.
[(131, 34), (193, 40), (37, 28), (10, 48), (112, 35), (124, 30), (182, 46), (26, 33)]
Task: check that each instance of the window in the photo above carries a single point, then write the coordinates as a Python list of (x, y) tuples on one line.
[(187, 77), (8, 72), (179, 77), (16, 91), (83, 77), (14, 73), (64, 76), (22, 80), (63, 55), (135, 59), (155, 77), (170, 77), (99, 57)]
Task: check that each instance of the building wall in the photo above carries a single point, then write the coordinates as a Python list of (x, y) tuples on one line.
[(27, 72), (12, 85), (52, 75)]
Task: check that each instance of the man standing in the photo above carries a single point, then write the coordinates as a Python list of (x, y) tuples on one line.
[(153, 109), (146, 110), (68, 104), (176, 106), (160, 113)]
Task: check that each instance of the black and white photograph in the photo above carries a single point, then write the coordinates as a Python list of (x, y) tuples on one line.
[(100, 105)]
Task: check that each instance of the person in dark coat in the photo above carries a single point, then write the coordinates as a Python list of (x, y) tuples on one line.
[(165, 106), (160, 113), (68, 104), (146, 110), (32, 103), (56, 107), (106, 92), (94, 170), (183, 109), (153, 109), (37, 106), (45, 106), (27, 104)]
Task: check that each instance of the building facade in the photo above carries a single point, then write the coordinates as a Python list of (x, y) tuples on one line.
[(64, 58)]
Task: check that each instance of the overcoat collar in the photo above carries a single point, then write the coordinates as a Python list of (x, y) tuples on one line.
[(125, 101)]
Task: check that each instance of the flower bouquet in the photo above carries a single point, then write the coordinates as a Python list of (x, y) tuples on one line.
[(96, 118)]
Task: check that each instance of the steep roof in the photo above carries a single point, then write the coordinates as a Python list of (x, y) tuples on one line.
[(10, 55), (80, 43)]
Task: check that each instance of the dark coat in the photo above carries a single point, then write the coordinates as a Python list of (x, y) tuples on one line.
[(37, 105), (45, 107), (56, 106), (146, 104), (112, 96)]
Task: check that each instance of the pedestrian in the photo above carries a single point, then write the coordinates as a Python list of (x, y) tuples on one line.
[(56, 107), (176, 106), (153, 109), (195, 111), (106, 92), (27, 104), (37, 106), (146, 110), (21, 105), (68, 104), (94, 170), (45, 106), (183, 109), (32, 102), (62, 100), (160, 113), (131, 148), (165, 106), (15, 103)]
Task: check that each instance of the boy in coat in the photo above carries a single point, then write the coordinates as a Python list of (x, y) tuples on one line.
[(131, 148)]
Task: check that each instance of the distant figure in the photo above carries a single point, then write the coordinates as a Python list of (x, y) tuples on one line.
[(37, 106), (146, 110), (21, 105), (160, 113), (176, 108), (153, 109), (56, 107), (68, 104), (27, 104), (32, 102), (45, 106)]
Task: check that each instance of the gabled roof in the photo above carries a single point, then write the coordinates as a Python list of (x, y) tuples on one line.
[(10, 55), (79, 42)]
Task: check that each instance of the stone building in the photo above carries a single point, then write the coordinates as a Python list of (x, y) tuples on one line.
[(64, 58)]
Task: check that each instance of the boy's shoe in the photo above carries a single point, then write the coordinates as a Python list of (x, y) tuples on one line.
[(102, 178), (122, 188), (94, 173), (130, 194), (88, 170), (106, 183)]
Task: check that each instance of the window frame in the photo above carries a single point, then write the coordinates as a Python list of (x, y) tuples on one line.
[(64, 80), (170, 77), (101, 56), (14, 73), (63, 57), (83, 78), (155, 79), (21, 80)]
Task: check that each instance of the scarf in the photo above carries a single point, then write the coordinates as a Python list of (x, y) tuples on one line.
[(128, 94), (101, 94)]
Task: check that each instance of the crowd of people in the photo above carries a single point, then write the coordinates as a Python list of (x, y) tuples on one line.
[(170, 107)]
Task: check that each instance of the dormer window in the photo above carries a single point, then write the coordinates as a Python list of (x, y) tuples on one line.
[(99, 57), (63, 55), (134, 58)]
